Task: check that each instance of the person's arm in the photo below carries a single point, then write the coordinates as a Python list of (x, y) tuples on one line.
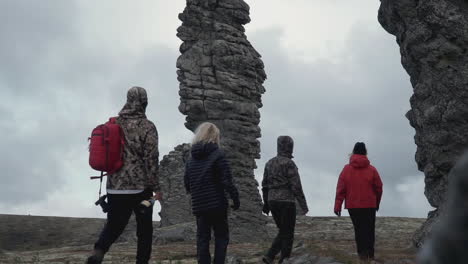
[(378, 187), (296, 186), (186, 178), (340, 193), (266, 207), (151, 158), (226, 179)]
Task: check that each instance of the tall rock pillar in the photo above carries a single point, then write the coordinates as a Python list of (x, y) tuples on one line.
[(221, 81), (433, 39)]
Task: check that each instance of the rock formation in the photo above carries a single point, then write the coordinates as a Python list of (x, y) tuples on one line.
[(221, 77), (175, 207), (433, 39), (450, 236)]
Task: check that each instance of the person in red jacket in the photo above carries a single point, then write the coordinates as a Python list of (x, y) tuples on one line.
[(360, 186)]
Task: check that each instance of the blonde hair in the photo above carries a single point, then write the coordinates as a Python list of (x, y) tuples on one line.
[(206, 133)]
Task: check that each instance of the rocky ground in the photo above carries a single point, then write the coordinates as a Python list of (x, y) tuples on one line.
[(319, 240)]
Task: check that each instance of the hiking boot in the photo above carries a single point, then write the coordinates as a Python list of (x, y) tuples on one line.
[(267, 260), (96, 258)]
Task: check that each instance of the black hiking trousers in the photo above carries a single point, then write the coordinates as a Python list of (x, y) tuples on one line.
[(121, 208), (364, 230), (218, 221), (284, 214)]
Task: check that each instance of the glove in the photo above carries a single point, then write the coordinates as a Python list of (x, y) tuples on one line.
[(266, 208), (236, 204), (338, 213)]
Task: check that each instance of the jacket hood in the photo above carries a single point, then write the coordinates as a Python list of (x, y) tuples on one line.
[(359, 161), (137, 100), (285, 146), (202, 150)]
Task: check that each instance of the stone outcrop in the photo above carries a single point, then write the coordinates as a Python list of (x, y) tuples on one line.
[(175, 207), (221, 81), (433, 39)]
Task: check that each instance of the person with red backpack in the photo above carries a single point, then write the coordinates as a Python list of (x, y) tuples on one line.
[(134, 182), (360, 186)]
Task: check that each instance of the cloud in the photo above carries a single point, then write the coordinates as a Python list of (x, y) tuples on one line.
[(67, 67), (311, 28), (55, 92), (328, 105)]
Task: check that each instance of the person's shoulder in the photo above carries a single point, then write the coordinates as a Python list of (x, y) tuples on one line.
[(372, 168), (290, 162), (219, 153), (148, 124), (272, 161), (281, 161), (347, 167)]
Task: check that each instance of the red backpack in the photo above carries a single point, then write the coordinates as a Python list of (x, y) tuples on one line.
[(106, 148)]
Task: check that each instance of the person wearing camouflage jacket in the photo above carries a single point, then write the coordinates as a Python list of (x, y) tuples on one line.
[(140, 169), (134, 182), (281, 188)]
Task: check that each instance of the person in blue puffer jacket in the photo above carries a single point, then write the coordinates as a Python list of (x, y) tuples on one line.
[(208, 180)]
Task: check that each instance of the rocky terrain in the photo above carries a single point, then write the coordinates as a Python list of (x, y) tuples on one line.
[(324, 240), (433, 40)]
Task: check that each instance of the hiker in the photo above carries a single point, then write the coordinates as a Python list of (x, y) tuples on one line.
[(134, 182), (281, 187), (207, 179), (359, 185)]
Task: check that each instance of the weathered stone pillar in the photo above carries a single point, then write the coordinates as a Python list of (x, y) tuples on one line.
[(221, 81), (433, 39)]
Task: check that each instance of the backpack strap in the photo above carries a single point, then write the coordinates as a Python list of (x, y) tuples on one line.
[(100, 184)]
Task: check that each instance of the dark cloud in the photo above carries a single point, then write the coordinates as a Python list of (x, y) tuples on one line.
[(56, 87)]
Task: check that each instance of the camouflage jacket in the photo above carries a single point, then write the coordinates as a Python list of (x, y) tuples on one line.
[(281, 180), (140, 157)]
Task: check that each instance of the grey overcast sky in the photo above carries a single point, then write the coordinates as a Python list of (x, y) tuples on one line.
[(334, 78)]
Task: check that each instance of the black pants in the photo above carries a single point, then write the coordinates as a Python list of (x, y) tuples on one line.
[(121, 208), (284, 214), (364, 230), (218, 221)]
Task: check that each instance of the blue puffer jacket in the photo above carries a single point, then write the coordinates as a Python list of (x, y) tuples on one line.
[(208, 178)]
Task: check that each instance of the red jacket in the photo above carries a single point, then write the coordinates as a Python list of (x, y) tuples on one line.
[(359, 185)]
